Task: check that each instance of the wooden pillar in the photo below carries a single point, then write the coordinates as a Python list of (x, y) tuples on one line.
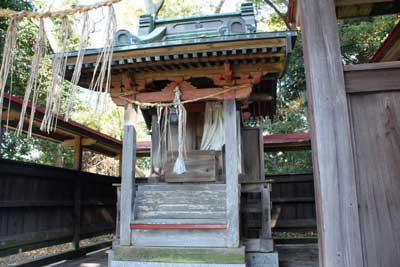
[(77, 165), (232, 175), (128, 175), (334, 172), (155, 135)]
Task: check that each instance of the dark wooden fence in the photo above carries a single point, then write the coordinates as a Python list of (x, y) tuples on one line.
[(293, 205), (293, 202), (42, 206)]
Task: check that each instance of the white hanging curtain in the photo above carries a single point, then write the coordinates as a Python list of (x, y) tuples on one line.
[(213, 132)]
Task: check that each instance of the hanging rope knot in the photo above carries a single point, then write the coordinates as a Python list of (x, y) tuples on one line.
[(179, 167), (177, 99)]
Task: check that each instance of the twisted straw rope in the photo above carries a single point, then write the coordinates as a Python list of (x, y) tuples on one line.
[(56, 14), (146, 104)]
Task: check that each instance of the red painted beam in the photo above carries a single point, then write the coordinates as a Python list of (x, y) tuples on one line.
[(294, 141), (179, 226)]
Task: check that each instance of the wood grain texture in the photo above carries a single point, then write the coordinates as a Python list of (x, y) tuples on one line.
[(334, 173), (128, 175), (179, 238), (179, 226), (298, 255), (187, 204), (253, 155), (377, 157), (201, 166), (232, 175), (373, 80)]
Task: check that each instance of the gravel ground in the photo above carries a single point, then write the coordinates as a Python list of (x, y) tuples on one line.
[(43, 252)]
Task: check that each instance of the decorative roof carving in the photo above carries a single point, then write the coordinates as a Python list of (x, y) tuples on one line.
[(194, 28)]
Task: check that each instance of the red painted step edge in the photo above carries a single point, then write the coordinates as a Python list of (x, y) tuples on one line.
[(179, 226)]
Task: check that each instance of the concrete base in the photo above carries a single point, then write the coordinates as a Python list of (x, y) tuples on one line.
[(176, 257), (117, 263), (161, 264), (259, 259)]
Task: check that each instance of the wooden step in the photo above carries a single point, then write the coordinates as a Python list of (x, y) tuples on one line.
[(181, 187), (180, 215), (188, 204)]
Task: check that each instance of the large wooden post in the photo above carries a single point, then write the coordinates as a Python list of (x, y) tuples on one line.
[(334, 172), (128, 174), (232, 175), (77, 165)]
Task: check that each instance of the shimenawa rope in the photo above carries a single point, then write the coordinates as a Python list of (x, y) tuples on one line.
[(56, 14)]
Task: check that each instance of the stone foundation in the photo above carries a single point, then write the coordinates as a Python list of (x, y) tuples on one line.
[(259, 259)]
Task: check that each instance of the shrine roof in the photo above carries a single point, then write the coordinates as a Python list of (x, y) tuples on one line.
[(191, 37)]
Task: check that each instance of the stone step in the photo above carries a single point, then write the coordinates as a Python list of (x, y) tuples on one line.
[(172, 256)]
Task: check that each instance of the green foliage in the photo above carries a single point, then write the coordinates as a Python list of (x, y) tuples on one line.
[(180, 8), (361, 38), (284, 162)]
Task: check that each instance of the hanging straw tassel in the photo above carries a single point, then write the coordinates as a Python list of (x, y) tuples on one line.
[(101, 80), (54, 91), (78, 65), (8, 58), (33, 80), (179, 167)]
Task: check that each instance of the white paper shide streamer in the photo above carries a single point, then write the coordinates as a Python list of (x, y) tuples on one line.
[(213, 133)]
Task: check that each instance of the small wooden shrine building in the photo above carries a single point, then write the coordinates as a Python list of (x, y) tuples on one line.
[(193, 219)]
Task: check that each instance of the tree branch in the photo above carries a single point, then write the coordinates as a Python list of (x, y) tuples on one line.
[(219, 6), (283, 17)]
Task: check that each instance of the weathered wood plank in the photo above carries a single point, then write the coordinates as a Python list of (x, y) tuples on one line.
[(201, 167), (181, 187), (232, 175), (181, 221), (298, 255), (179, 238), (377, 157), (266, 232), (164, 226), (253, 155), (368, 81), (335, 183), (128, 175)]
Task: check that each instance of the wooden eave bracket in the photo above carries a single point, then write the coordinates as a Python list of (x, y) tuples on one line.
[(188, 91)]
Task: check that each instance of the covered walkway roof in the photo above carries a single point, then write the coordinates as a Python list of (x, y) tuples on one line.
[(66, 131)]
